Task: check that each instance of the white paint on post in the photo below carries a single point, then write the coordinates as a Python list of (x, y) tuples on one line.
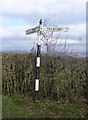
[(38, 62), (39, 43), (37, 85), (39, 39)]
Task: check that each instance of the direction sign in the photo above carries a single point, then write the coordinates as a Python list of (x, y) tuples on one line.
[(55, 29), (52, 29), (33, 30)]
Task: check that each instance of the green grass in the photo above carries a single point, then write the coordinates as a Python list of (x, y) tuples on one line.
[(23, 107)]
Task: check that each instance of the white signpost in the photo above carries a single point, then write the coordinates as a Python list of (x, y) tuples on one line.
[(40, 29)]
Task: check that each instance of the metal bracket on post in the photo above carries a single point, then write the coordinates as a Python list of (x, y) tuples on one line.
[(40, 29)]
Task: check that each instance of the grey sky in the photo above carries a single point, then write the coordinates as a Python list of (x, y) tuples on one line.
[(19, 15)]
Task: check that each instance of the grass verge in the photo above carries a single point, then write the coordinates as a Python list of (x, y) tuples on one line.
[(23, 107)]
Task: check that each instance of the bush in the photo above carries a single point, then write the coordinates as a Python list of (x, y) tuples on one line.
[(61, 78)]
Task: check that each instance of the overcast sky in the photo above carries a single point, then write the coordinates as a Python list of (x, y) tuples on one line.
[(19, 15)]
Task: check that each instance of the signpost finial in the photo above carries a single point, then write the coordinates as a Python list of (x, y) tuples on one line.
[(40, 22)]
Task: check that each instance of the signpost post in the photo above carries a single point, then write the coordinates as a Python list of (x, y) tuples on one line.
[(40, 29)]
